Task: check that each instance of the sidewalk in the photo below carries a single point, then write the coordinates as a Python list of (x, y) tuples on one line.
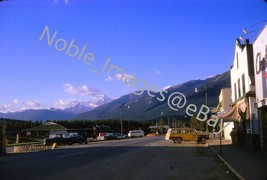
[(248, 163)]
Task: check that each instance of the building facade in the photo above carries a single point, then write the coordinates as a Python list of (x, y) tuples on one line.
[(46, 130), (243, 93), (224, 107), (260, 69)]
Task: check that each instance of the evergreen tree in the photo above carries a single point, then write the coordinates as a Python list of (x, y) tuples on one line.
[(194, 123)]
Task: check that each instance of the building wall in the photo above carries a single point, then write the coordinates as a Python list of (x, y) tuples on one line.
[(254, 123), (241, 65), (228, 129), (263, 127), (225, 99), (260, 52), (243, 82), (53, 134)]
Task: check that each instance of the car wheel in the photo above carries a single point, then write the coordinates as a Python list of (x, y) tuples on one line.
[(179, 140), (203, 140)]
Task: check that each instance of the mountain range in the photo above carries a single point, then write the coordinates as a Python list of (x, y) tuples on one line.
[(134, 107), (58, 114), (85, 106), (144, 107)]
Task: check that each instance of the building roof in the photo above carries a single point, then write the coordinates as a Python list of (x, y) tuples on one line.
[(50, 126)]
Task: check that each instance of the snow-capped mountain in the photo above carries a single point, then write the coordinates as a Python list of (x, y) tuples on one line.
[(58, 114), (144, 107), (86, 106)]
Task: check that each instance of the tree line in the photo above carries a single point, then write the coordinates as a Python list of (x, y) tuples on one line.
[(112, 125)]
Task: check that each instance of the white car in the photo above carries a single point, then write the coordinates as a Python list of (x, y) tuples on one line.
[(136, 133)]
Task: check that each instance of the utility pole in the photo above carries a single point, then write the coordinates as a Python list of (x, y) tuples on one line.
[(2, 137), (121, 119), (206, 102), (121, 123)]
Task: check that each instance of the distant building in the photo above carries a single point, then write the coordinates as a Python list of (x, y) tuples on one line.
[(49, 129), (52, 129), (243, 111), (224, 107), (260, 68)]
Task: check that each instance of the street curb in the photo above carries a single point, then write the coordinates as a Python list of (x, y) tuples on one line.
[(227, 164)]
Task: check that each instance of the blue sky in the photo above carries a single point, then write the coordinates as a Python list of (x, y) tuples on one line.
[(161, 42)]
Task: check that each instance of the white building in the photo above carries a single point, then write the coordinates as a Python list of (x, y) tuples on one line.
[(260, 68), (243, 92), (224, 107)]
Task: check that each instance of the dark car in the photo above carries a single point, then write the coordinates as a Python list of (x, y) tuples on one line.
[(110, 136), (73, 138)]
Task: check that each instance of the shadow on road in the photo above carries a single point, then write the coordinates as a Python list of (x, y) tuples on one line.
[(157, 160)]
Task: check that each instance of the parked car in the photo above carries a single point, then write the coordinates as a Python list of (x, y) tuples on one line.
[(71, 139), (110, 136), (101, 136), (177, 135), (136, 133), (120, 136)]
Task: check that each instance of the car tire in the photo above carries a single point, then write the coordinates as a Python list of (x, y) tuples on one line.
[(179, 140), (203, 140)]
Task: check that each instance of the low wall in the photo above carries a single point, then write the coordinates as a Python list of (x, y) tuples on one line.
[(31, 148)]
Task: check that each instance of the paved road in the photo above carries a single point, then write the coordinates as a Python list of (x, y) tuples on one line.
[(139, 158)]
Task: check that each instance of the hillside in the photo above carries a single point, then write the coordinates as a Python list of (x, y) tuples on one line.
[(144, 107), (40, 114)]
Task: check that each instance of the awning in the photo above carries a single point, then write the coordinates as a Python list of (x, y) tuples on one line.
[(237, 112), (232, 115)]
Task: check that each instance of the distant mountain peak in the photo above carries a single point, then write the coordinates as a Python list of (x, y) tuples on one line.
[(144, 107), (86, 106), (58, 114)]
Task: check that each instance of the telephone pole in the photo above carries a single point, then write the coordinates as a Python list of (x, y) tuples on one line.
[(2, 137)]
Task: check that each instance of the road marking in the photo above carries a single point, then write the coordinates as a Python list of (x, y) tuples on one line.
[(72, 154)]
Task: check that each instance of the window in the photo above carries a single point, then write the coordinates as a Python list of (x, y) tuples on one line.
[(243, 85), (235, 98), (238, 88), (237, 63)]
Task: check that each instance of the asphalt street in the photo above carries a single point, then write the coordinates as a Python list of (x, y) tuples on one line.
[(138, 158)]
